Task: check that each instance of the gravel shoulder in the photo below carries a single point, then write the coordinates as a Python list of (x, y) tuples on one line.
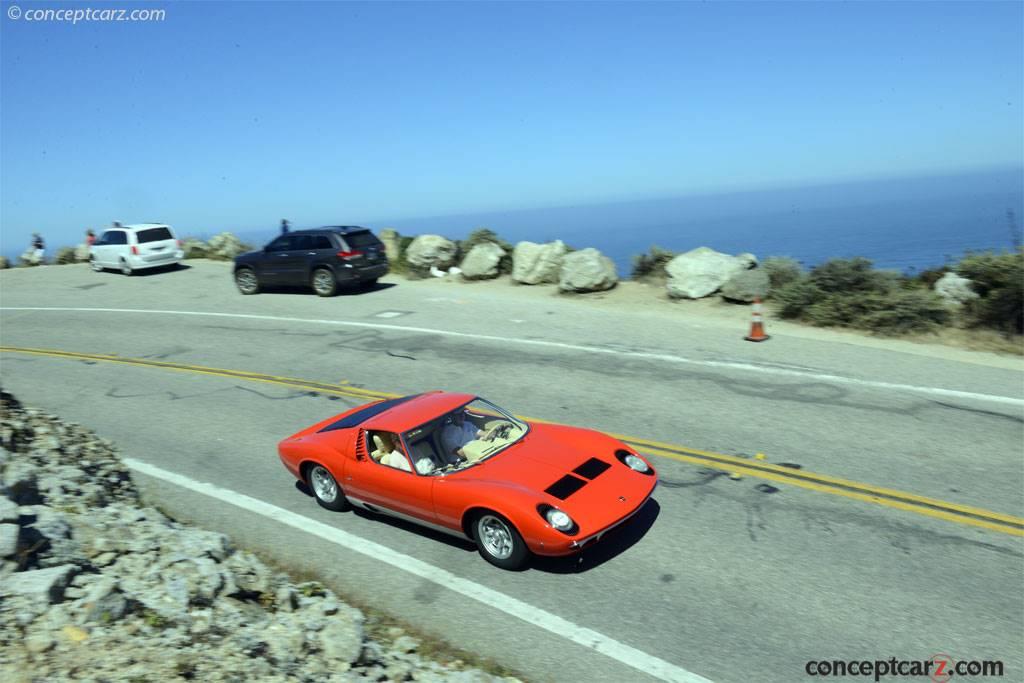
[(94, 582)]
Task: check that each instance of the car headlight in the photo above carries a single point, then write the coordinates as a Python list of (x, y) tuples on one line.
[(559, 520), (635, 462)]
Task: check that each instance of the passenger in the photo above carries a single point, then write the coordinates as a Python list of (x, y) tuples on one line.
[(393, 456)]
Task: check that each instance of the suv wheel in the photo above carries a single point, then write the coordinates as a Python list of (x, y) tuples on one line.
[(247, 281), (94, 264), (324, 283), (126, 269)]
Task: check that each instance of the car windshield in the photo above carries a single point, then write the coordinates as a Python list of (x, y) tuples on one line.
[(467, 435)]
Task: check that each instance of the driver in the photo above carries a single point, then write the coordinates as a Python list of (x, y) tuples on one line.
[(457, 433)]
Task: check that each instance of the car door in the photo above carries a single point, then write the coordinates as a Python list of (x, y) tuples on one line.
[(110, 247), (404, 493), (271, 268)]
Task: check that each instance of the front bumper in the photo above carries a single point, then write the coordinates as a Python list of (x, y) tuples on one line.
[(565, 545)]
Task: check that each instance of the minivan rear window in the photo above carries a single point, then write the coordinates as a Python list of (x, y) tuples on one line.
[(153, 235), (363, 238)]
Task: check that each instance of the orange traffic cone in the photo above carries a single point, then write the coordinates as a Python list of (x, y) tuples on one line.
[(756, 324)]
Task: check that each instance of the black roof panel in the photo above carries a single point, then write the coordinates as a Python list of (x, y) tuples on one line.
[(361, 416)]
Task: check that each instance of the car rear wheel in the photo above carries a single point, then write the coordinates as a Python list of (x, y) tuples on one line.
[(325, 489), (247, 281), (126, 269), (499, 542), (324, 283)]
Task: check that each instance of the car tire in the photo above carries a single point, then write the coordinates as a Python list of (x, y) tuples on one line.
[(246, 281), (499, 542), (325, 489), (95, 265), (125, 267), (323, 282)]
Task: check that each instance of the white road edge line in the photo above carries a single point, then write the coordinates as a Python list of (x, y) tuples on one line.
[(838, 379), (631, 657)]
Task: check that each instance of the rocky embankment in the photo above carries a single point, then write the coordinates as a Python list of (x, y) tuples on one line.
[(94, 585)]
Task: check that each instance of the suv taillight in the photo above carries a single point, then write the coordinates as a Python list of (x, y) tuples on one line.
[(135, 250), (349, 254)]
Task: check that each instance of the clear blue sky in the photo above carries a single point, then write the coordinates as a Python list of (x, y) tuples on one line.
[(233, 115)]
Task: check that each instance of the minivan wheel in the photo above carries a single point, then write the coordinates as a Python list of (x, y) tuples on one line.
[(324, 283), (247, 281), (125, 268)]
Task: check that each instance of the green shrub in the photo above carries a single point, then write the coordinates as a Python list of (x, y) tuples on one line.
[(849, 293), (65, 255), (481, 236), (781, 270), (651, 266), (999, 281), (930, 276)]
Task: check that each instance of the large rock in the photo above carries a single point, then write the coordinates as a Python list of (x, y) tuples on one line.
[(746, 285), (481, 263), (392, 244), (342, 637), (8, 540), (65, 256), (701, 272), (955, 289), (587, 270), (225, 247), (427, 251), (29, 257), (45, 585), (194, 248), (534, 264)]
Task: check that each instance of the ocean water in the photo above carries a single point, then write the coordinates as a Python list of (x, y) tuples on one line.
[(906, 224)]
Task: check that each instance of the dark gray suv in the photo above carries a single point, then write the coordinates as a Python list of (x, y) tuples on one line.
[(323, 259)]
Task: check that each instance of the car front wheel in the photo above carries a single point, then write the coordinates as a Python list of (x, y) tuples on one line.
[(326, 490), (498, 541), (247, 281), (95, 265), (324, 283)]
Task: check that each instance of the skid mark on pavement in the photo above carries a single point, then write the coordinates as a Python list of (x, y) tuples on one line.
[(663, 357)]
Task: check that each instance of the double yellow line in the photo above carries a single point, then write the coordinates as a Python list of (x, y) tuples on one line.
[(892, 498)]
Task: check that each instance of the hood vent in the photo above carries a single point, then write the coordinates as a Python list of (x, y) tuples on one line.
[(565, 487), (592, 468)]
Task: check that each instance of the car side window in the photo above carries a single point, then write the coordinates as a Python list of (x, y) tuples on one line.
[(282, 243), (387, 451), (115, 237), (321, 242)]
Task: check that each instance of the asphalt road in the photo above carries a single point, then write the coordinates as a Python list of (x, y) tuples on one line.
[(730, 579)]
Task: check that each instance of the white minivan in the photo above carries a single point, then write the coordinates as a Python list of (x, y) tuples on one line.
[(134, 247)]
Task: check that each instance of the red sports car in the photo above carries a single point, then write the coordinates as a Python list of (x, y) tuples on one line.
[(459, 464)]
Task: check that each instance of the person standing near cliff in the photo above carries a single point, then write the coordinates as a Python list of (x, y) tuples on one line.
[(39, 248), (284, 226), (90, 237)]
